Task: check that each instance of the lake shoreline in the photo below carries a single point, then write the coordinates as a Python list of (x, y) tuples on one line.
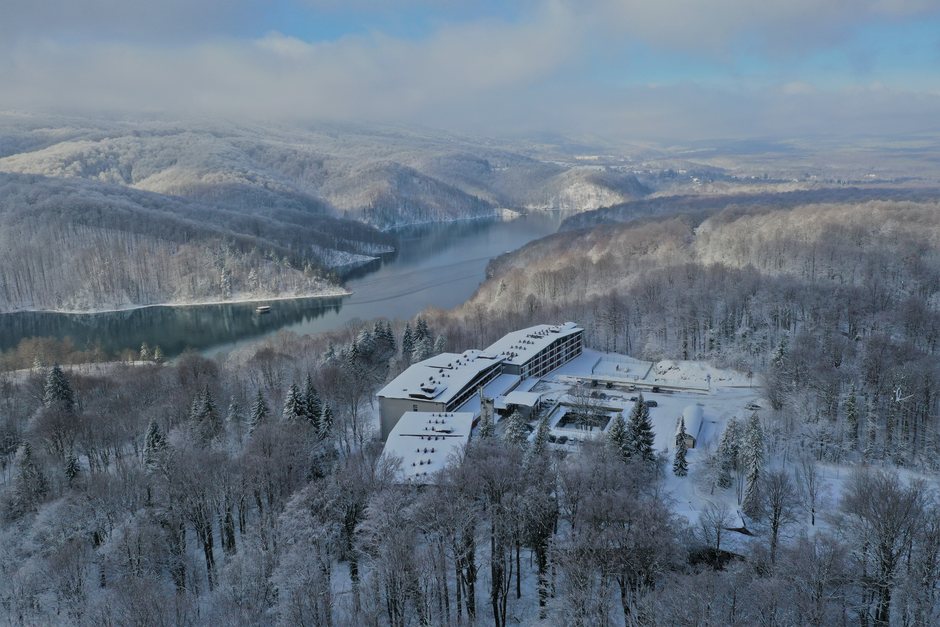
[(342, 292)]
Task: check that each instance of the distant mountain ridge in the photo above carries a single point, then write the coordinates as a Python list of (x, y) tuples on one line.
[(384, 177)]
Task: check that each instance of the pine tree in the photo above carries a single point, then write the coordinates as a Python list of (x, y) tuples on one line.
[(752, 454), (158, 355), (259, 412), (729, 452), (540, 441), (515, 433), (422, 350), (58, 390), (312, 400), (486, 428), (640, 432), (330, 351), (155, 446), (440, 344), (30, 484), (145, 354), (295, 409), (618, 438), (72, 467), (205, 416), (325, 428), (407, 342), (680, 466), (422, 332), (390, 338)]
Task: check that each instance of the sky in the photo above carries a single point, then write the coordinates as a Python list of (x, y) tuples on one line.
[(670, 70)]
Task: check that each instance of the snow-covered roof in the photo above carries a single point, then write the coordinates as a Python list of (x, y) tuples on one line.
[(520, 346), (426, 440), (693, 420), (523, 399), (439, 378)]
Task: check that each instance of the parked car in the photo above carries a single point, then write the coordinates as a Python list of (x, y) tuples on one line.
[(631, 388), (608, 385), (563, 439), (593, 383), (551, 438), (634, 399), (655, 389), (651, 403), (602, 396), (752, 407)]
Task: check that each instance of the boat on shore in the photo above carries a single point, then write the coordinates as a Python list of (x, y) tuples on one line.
[(263, 309)]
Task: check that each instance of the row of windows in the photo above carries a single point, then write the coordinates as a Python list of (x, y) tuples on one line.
[(480, 380), (556, 355)]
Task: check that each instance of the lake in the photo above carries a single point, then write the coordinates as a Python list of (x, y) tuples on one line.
[(437, 264)]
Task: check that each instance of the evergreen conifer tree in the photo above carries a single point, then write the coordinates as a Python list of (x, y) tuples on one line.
[(259, 412), (618, 438), (30, 484), (407, 342), (72, 467), (680, 466), (440, 344), (515, 433), (325, 427), (390, 338), (312, 400), (58, 390), (752, 453), (729, 453), (295, 409), (155, 446), (205, 416), (486, 428), (145, 354), (540, 441), (422, 332), (158, 355), (640, 432), (422, 350)]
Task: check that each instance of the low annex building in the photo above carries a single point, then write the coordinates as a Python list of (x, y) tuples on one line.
[(448, 382), (426, 441)]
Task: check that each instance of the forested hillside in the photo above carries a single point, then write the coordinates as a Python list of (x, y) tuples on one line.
[(83, 245), (251, 492), (820, 302)]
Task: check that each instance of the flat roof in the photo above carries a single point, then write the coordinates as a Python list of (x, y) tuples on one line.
[(520, 346), (524, 399), (439, 378), (426, 441)]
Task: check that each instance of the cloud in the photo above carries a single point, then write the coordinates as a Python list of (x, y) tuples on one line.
[(485, 74), (129, 20), (373, 76), (717, 26)]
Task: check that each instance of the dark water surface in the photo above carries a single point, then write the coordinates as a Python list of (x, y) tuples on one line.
[(440, 264)]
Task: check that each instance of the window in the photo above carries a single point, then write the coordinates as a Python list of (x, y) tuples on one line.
[(415, 407)]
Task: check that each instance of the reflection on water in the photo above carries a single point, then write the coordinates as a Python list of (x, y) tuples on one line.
[(172, 328), (438, 264)]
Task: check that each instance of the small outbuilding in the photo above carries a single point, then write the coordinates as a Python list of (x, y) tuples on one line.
[(692, 415)]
